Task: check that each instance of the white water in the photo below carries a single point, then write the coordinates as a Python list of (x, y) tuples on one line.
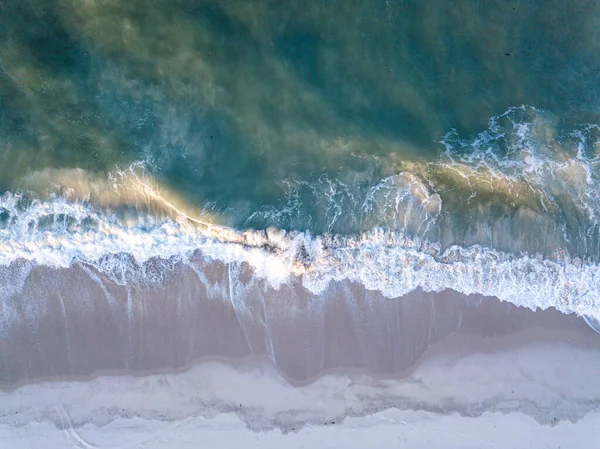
[(380, 260)]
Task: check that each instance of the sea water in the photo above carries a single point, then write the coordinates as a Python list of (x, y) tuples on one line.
[(401, 145)]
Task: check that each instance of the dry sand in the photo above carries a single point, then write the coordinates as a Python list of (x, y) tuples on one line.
[(213, 357)]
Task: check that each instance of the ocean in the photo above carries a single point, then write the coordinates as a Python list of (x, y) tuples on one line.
[(386, 148)]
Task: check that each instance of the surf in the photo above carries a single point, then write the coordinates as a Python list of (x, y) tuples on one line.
[(422, 225)]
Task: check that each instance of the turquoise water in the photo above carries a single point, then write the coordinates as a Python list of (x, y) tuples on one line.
[(454, 125)]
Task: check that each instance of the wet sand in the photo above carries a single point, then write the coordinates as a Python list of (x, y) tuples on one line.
[(75, 323), (218, 353)]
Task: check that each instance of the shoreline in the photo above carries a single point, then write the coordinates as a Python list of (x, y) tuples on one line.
[(466, 344), (72, 323), (539, 383), (452, 356), (214, 353)]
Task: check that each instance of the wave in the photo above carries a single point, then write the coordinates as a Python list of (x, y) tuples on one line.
[(133, 230), (524, 185), (380, 260)]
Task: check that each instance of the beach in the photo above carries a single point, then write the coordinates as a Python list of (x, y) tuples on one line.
[(231, 360)]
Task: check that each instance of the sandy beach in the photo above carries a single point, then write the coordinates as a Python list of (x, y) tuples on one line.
[(215, 355)]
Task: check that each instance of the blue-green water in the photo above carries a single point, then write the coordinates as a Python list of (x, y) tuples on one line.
[(464, 131)]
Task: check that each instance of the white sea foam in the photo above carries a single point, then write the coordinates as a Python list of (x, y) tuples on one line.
[(523, 155), (380, 260)]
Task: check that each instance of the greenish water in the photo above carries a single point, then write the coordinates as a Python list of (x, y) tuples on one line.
[(296, 114)]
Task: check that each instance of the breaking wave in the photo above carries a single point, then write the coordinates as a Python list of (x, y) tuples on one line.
[(511, 213)]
